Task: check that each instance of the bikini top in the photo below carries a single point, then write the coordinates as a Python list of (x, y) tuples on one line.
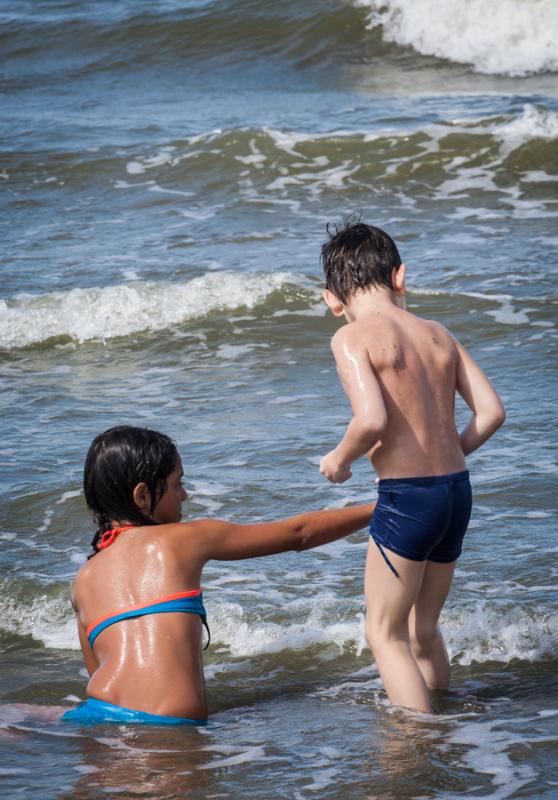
[(190, 602)]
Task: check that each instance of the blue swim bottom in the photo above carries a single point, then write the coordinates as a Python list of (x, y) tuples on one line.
[(422, 518), (93, 711)]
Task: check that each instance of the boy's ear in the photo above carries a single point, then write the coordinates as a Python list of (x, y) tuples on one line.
[(398, 279), (142, 498), (335, 306)]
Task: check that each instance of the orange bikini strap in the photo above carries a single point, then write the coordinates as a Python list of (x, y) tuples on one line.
[(109, 537)]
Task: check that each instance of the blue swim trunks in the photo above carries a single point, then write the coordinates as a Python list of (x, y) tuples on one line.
[(422, 518), (93, 711)]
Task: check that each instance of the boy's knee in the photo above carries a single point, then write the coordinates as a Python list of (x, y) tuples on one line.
[(423, 638), (373, 632), (380, 632)]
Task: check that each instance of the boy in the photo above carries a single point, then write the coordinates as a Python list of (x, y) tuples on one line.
[(400, 374)]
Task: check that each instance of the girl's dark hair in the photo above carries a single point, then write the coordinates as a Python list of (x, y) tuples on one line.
[(117, 461), (357, 256)]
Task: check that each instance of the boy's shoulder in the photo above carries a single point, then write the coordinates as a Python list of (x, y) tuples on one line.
[(359, 335), (353, 331), (348, 335), (438, 329), (432, 326)]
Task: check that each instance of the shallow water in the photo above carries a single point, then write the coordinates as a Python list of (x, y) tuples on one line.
[(164, 191)]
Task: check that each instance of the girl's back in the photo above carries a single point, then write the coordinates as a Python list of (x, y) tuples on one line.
[(152, 662)]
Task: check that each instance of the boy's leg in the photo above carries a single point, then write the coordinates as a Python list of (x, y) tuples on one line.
[(388, 603), (427, 642)]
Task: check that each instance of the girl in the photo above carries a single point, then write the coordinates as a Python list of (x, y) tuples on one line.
[(138, 600)]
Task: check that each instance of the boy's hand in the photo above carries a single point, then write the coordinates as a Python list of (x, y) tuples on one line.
[(332, 469)]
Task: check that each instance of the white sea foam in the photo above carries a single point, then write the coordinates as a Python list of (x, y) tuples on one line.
[(256, 157), (238, 755), (510, 37), (231, 352), (488, 745), (534, 122), (158, 160), (106, 312), (69, 496), (487, 632), (465, 181), (476, 632), (507, 315), (538, 176), (243, 638), (48, 620)]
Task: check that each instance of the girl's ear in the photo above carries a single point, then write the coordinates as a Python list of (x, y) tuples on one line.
[(398, 279), (335, 306), (142, 498)]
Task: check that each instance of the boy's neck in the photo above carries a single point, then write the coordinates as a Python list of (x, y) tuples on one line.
[(378, 300)]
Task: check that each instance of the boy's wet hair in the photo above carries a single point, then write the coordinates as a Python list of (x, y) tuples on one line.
[(358, 256), (117, 461)]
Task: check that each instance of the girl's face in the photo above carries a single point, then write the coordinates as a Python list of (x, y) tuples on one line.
[(169, 507)]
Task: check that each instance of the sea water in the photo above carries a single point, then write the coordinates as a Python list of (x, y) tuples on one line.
[(167, 172)]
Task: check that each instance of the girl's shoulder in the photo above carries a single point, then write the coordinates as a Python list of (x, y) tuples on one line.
[(187, 534), (79, 580)]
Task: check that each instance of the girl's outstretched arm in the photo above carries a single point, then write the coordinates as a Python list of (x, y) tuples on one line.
[(226, 541)]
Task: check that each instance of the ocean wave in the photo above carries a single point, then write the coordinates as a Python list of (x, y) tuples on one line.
[(220, 32), (107, 312), (511, 37), (476, 633), (479, 632), (104, 313), (256, 163), (47, 617), (534, 122)]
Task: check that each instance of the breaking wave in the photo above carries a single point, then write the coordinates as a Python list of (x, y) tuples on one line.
[(479, 632), (107, 312), (511, 37)]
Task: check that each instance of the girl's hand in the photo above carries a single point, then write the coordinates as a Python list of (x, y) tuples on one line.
[(334, 470)]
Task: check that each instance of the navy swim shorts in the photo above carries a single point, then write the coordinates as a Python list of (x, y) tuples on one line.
[(422, 518)]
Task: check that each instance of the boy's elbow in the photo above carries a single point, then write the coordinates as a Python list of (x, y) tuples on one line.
[(498, 412), (494, 415), (500, 415), (372, 429)]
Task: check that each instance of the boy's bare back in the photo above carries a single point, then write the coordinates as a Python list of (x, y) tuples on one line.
[(415, 363)]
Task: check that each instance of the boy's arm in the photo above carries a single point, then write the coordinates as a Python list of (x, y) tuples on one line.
[(488, 410), (224, 541), (369, 411)]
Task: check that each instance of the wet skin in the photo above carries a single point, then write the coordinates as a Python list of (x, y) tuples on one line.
[(154, 663)]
